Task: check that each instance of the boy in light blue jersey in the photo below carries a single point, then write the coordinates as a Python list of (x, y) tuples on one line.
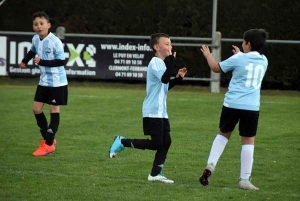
[(53, 85), (155, 117), (241, 103)]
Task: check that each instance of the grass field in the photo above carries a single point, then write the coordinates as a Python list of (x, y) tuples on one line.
[(81, 170)]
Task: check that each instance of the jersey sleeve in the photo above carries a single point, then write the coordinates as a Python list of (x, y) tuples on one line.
[(158, 68), (230, 63), (33, 45), (59, 51)]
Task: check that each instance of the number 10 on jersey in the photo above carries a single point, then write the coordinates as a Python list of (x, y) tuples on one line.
[(254, 76)]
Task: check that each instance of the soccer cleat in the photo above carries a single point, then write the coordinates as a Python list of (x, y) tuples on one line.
[(245, 184), (44, 141), (160, 177), (207, 172), (44, 149), (116, 147)]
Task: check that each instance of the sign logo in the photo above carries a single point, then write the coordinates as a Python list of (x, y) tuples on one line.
[(87, 55)]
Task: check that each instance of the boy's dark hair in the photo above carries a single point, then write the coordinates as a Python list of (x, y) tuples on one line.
[(154, 39), (40, 14), (257, 39)]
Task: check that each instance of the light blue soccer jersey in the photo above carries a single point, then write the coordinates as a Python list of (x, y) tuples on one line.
[(248, 70), (50, 48), (154, 104)]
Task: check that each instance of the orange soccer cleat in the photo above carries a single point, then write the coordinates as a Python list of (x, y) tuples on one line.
[(44, 149)]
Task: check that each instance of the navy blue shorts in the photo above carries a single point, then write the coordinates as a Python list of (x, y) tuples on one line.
[(156, 126), (52, 95), (247, 119)]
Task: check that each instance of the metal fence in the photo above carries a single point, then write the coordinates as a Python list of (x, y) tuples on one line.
[(214, 43)]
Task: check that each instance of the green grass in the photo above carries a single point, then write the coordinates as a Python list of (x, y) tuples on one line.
[(81, 170)]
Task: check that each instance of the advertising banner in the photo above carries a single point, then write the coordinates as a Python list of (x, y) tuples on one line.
[(86, 58)]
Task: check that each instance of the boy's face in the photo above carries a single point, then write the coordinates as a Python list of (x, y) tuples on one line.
[(164, 46), (41, 26)]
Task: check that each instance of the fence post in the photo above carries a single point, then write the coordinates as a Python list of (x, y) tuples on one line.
[(60, 32), (216, 52)]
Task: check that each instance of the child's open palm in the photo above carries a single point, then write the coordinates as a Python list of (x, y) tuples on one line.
[(181, 72), (205, 50)]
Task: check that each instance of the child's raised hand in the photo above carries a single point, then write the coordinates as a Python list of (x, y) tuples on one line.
[(22, 65), (235, 49), (174, 53), (181, 72), (205, 50)]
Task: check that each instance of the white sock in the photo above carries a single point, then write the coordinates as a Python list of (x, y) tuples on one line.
[(246, 160), (217, 149)]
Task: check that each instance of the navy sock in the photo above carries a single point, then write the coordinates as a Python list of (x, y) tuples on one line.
[(52, 129), (42, 124)]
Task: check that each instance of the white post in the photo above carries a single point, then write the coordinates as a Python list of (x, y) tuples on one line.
[(60, 32), (214, 17), (216, 52)]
